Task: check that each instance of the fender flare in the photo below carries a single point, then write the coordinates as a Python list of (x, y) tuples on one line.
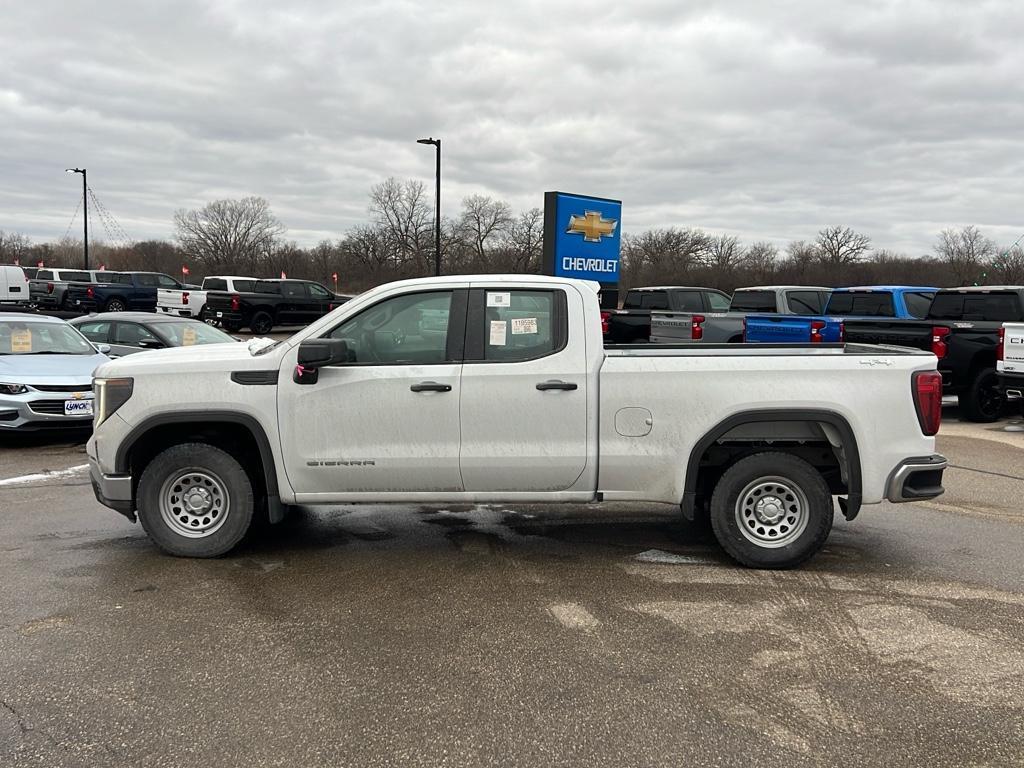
[(850, 506)]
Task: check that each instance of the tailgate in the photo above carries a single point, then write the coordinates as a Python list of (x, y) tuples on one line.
[(168, 298), (777, 329), (1013, 349), (671, 327), (899, 333)]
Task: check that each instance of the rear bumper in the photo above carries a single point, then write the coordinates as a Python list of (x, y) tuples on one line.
[(114, 491), (1011, 385), (916, 479)]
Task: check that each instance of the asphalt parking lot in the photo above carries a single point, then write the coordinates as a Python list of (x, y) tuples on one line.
[(361, 635)]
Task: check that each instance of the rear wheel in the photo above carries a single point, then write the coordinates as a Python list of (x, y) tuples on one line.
[(115, 305), (195, 500), (982, 402), (231, 326), (771, 510), (261, 322)]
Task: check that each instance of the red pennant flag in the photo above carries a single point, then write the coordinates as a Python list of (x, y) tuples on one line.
[(283, 275), (184, 270), (39, 264), (103, 267)]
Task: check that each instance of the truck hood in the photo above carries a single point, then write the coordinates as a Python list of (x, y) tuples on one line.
[(201, 357), (49, 369)]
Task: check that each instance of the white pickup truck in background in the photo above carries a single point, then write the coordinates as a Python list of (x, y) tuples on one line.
[(498, 389), (191, 303)]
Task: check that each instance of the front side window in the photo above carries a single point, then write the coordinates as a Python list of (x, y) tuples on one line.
[(167, 282), (293, 290), (131, 334), (97, 332), (718, 302), (687, 301), (411, 329), (519, 325), (318, 291)]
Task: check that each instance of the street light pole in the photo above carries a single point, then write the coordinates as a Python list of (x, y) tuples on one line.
[(85, 210), (437, 204)]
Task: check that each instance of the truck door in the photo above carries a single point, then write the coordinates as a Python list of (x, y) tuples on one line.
[(524, 391), (388, 420)]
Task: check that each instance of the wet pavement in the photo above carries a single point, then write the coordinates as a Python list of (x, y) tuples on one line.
[(584, 635)]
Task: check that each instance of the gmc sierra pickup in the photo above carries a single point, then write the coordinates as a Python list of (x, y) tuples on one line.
[(405, 394)]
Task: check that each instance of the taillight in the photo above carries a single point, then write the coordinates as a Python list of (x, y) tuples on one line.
[(939, 334), (817, 326), (49, 287), (236, 303), (927, 389), (184, 297), (605, 322), (90, 293), (1001, 344), (842, 332), (697, 327)]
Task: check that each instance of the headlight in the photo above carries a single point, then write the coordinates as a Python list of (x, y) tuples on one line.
[(13, 389), (111, 394)]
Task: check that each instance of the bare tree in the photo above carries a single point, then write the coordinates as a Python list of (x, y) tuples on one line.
[(14, 246), (965, 251), (484, 220), (1009, 267), (525, 242), (839, 247), (762, 261), (404, 218), (663, 255), (232, 235)]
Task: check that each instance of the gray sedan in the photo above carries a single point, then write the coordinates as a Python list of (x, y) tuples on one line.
[(45, 373), (130, 332)]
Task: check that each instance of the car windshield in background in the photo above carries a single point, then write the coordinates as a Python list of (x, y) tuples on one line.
[(19, 337), (187, 334), (753, 301), (874, 304)]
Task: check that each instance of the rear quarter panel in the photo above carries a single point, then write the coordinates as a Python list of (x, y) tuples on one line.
[(688, 395)]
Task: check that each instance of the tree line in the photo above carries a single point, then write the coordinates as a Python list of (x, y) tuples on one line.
[(397, 241)]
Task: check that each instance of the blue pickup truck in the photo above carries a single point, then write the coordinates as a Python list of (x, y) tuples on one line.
[(120, 292), (899, 302)]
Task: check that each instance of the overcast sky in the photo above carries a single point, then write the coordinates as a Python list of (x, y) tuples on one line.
[(760, 119)]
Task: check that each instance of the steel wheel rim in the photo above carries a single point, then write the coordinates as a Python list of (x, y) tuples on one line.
[(772, 512), (194, 504)]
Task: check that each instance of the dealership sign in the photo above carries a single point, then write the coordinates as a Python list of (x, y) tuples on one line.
[(582, 236)]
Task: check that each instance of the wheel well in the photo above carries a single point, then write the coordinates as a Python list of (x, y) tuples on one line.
[(824, 440), (737, 339), (234, 438), (984, 359)]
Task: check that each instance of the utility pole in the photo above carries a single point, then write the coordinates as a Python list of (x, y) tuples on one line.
[(437, 204), (85, 210)]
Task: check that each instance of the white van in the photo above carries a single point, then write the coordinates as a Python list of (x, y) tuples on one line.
[(13, 285)]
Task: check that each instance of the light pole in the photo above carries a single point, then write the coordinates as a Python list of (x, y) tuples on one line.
[(437, 205), (85, 209)]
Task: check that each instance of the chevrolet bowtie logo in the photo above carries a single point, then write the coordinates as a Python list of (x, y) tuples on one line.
[(592, 226)]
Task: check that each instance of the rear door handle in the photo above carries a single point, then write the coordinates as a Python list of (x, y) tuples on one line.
[(431, 386), (555, 384)]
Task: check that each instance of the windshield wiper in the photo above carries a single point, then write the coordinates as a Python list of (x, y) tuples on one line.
[(264, 350), (50, 352)]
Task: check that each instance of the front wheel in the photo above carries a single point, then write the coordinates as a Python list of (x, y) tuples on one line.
[(195, 500), (983, 402), (771, 510)]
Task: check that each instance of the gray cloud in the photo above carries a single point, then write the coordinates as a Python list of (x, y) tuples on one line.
[(758, 119)]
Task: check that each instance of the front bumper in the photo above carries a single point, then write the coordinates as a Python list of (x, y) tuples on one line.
[(114, 491), (916, 479)]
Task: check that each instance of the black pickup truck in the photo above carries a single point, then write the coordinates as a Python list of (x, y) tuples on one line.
[(632, 323), (273, 302), (962, 329), (119, 291)]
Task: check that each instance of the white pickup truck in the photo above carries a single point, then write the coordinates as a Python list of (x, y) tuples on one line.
[(499, 389), (191, 303)]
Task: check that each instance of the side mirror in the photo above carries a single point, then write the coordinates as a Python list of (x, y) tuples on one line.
[(150, 344), (103, 349), (317, 353)]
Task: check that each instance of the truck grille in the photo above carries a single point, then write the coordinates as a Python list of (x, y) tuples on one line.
[(50, 408)]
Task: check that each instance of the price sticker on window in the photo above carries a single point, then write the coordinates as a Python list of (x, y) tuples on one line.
[(498, 331), (188, 337), (524, 325), (21, 341)]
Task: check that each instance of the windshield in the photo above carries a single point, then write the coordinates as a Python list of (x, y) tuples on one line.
[(186, 333), (29, 337)]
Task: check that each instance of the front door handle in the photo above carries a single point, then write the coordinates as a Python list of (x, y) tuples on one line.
[(555, 384), (431, 386)]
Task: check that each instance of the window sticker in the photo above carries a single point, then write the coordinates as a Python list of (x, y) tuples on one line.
[(499, 299), (523, 325), (188, 337), (498, 333), (21, 341)]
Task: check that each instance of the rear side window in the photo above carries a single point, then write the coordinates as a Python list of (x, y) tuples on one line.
[(293, 290), (76, 277), (654, 300), (245, 286), (521, 325), (918, 303), (804, 302), (149, 281), (687, 301), (118, 279), (753, 301), (216, 284), (97, 332), (1000, 307), (718, 302), (265, 286), (874, 304)]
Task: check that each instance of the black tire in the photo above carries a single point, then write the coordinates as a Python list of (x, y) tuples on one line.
[(115, 305), (172, 473), (261, 322), (230, 326), (65, 303), (772, 478), (982, 402)]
